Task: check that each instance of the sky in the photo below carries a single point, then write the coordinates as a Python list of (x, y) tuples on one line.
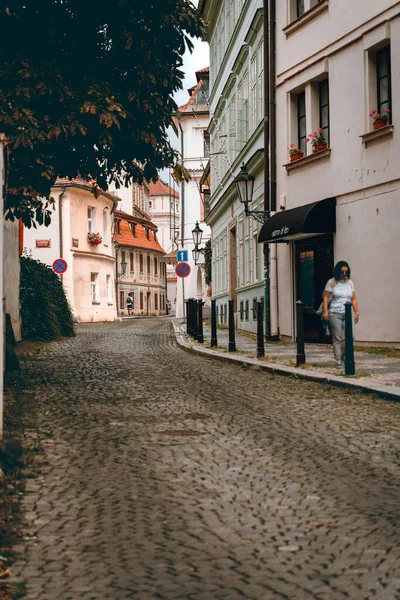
[(191, 63)]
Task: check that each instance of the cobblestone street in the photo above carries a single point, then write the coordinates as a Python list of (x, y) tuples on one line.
[(168, 475)]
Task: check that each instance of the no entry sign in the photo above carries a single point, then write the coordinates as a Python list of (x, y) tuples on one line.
[(59, 266), (182, 269)]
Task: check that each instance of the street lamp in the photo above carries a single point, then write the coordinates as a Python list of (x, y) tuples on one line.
[(124, 264), (197, 234), (245, 187)]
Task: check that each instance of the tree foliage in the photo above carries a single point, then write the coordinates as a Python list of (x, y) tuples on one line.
[(208, 263), (85, 89), (45, 313)]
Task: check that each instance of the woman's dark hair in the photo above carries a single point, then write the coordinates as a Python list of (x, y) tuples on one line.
[(338, 266)]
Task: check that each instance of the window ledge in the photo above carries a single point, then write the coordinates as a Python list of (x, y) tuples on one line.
[(306, 160), (110, 303), (96, 303), (308, 16), (372, 136)]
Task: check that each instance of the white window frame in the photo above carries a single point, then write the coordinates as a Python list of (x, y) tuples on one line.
[(91, 218), (94, 287), (109, 289)]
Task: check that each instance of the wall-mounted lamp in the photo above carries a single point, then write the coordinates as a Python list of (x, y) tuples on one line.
[(245, 187), (197, 234)]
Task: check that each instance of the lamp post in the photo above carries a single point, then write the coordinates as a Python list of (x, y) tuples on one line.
[(197, 234), (117, 274), (245, 187)]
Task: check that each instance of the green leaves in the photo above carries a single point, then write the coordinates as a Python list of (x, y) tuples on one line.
[(86, 89)]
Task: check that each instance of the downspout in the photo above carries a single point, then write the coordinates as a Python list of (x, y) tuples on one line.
[(182, 217), (60, 226), (267, 203), (116, 279), (274, 308)]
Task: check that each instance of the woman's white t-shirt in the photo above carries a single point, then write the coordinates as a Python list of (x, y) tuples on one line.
[(342, 292)]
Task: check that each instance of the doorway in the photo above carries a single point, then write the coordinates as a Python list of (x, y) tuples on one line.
[(314, 266)]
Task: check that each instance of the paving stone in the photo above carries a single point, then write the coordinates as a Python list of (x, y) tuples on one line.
[(168, 475)]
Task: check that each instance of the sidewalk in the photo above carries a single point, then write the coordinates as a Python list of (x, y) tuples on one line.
[(377, 370)]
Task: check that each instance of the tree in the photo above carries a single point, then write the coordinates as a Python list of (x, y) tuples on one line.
[(86, 91)]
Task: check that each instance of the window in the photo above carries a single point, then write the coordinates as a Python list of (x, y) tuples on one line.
[(141, 300), (150, 204), (118, 226), (383, 80), (155, 266), (148, 265), (256, 257), (121, 300), (206, 144), (241, 310), (141, 263), (94, 285), (133, 229), (131, 261), (254, 308), (246, 310), (300, 8), (155, 301), (109, 289), (301, 122), (123, 260), (221, 314), (323, 92), (105, 228), (91, 215)]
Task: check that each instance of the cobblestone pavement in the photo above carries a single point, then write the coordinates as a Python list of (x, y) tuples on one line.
[(171, 476), (371, 367)]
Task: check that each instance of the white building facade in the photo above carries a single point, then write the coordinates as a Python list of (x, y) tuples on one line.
[(235, 35), (89, 280), (164, 213), (190, 123), (336, 63)]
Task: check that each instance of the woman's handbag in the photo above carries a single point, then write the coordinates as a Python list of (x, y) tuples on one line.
[(320, 308)]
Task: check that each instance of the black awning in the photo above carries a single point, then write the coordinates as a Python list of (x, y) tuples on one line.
[(317, 217)]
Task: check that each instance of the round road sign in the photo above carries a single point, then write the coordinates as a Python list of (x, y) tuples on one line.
[(182, 269), (60, 266)]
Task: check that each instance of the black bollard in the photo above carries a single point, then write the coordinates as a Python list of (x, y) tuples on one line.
[(194, 318), (260, 330), (349, 365), (300, 356), (187, 316), (231, 322), (214, 323), (190, 323), (200, 336)]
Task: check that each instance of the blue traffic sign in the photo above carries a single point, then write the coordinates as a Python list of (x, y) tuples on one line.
[(182, 255), (59, 266)]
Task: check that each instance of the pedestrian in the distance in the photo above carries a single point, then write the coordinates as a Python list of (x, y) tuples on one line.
[(338, 291), (129, 304)]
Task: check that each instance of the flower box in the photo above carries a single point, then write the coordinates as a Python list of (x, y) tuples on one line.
[(379, 124), (320, 147), (296, 156), (379, 120), (94, 239)]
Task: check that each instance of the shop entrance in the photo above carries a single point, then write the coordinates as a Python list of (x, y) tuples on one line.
[(314, 266)]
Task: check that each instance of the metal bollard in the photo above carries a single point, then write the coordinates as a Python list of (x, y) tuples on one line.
[(300, 356), (194, 318), (349, 365), (231, 322), (190, 317), (200, 336), (187, 316), (214, 323), (260, 329)]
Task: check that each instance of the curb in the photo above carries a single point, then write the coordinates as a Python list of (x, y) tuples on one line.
[(383, 391)]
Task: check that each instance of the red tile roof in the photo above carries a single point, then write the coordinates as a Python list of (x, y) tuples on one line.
[(140, 239), (160, 188)]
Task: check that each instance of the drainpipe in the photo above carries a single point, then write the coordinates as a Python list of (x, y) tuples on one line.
[(182, 217), (60, 226), (267, 207), (116, 279), (274, 314), (270, 254)]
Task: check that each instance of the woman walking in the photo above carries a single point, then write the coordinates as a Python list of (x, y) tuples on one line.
[(338, 291)]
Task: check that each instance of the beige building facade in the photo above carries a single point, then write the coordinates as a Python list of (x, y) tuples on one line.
[(89, 280)]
